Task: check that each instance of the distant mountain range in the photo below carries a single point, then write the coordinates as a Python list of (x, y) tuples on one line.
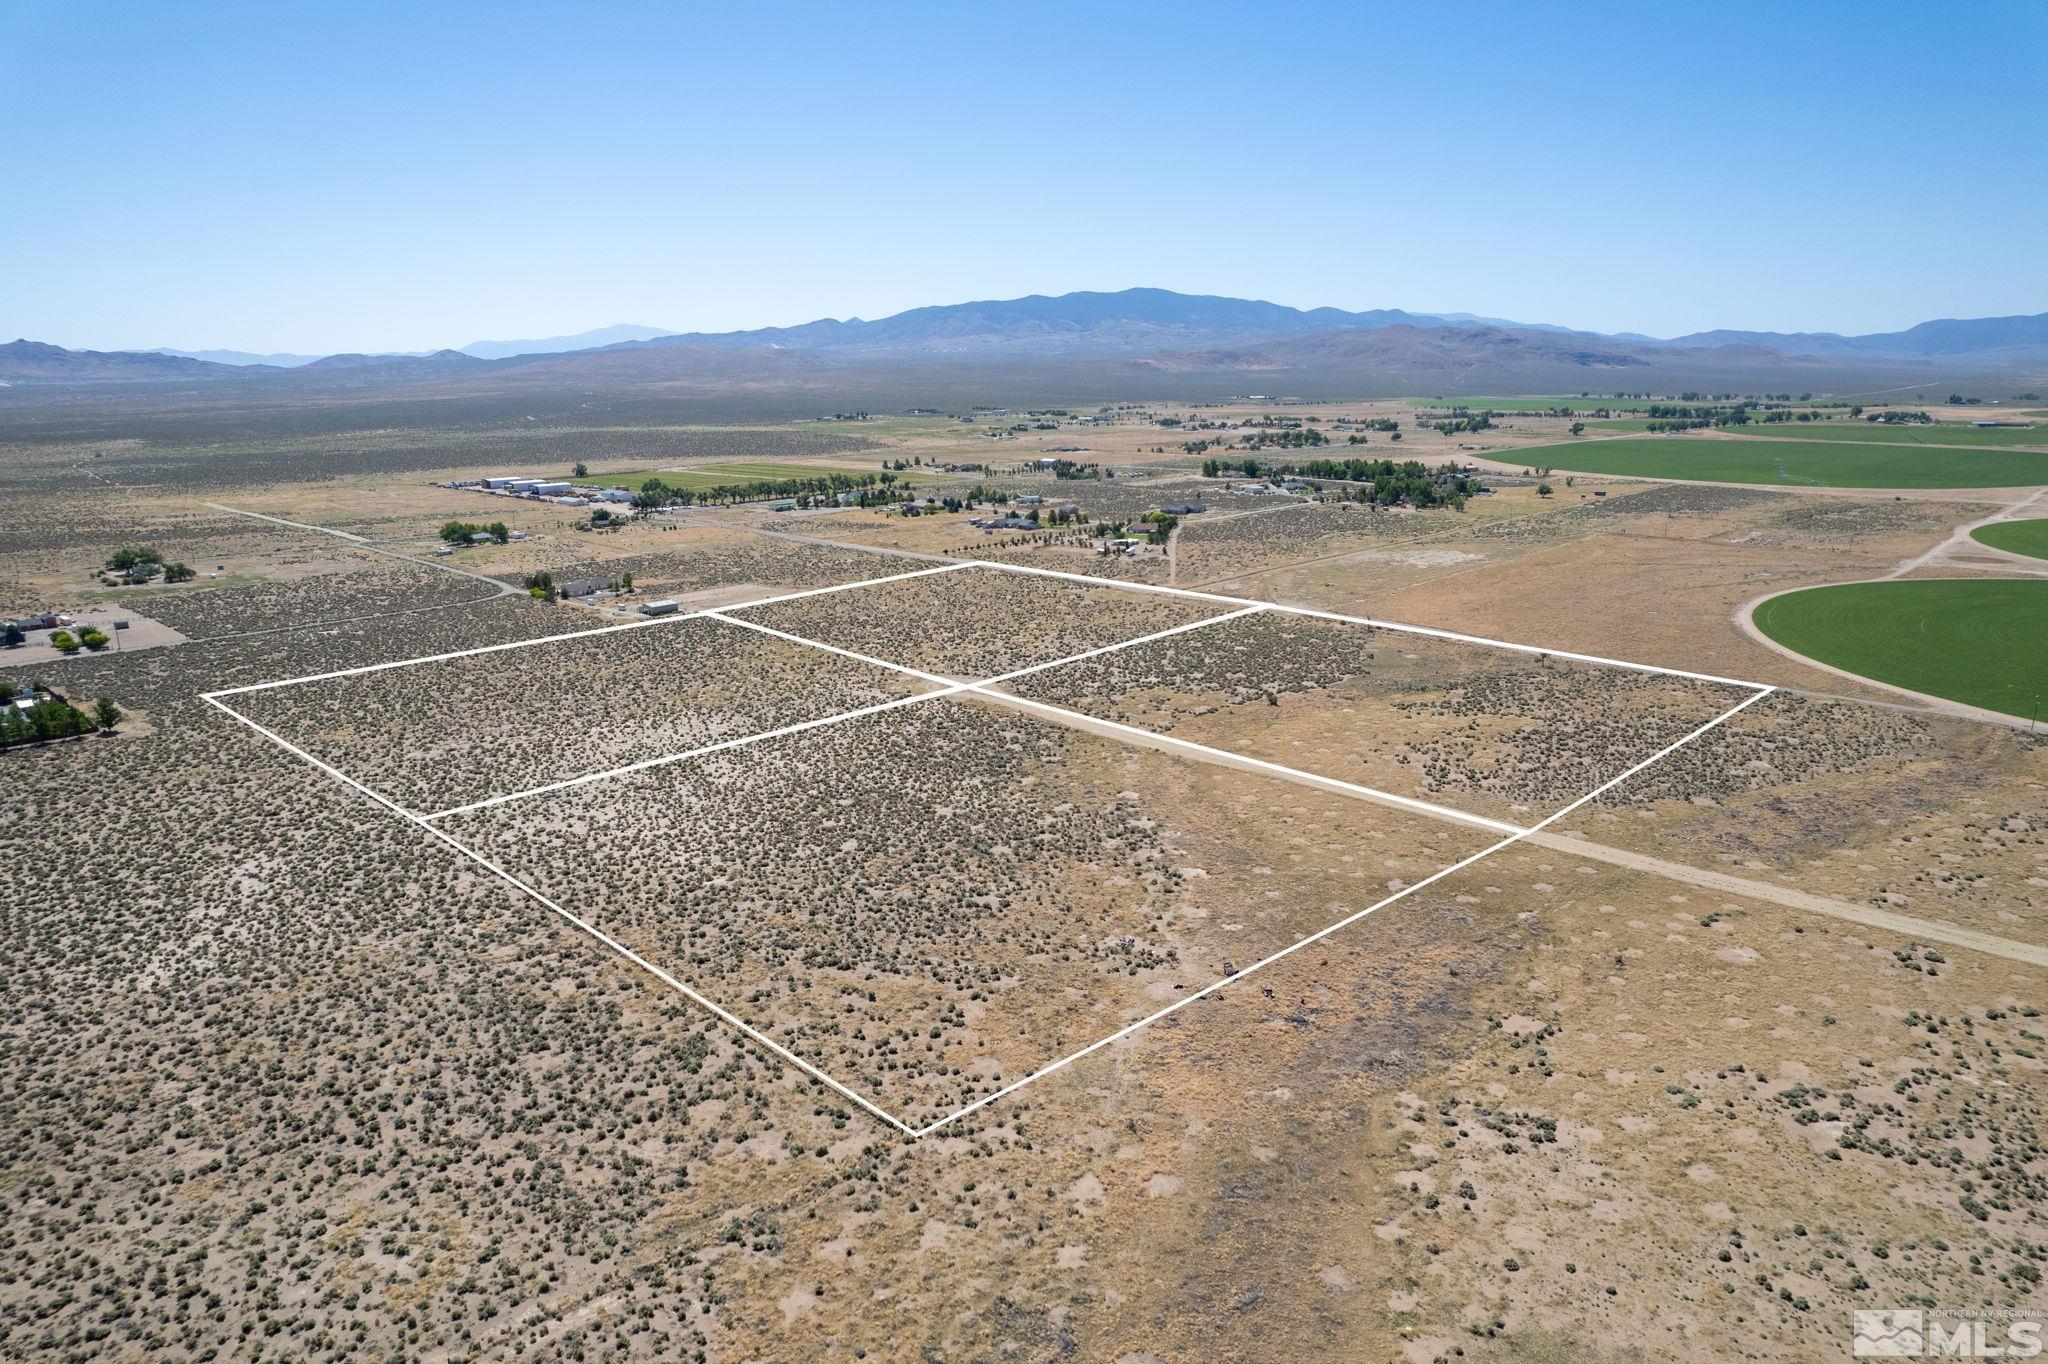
[(554, 345), (276, 359), (1136, 331), (482, 350)]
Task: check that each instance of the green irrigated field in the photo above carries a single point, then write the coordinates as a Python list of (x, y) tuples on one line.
[(2015, 537), (1981, 641), (1859, 432), (1870, 433), (1814, 464), (1539, 404)]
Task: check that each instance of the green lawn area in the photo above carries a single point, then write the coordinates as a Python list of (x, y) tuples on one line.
[(2015, 537), (1815, 464), (1983, 642)]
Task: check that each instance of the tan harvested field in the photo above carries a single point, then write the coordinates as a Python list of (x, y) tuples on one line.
[(1749, 1042)]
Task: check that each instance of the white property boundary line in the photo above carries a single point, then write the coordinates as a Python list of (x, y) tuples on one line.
[(984, 688), (948, 688), (1345, 922), (571, 634), (1365, 620), (613, 943)]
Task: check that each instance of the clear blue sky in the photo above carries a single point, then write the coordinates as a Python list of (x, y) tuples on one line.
[(360, 176)]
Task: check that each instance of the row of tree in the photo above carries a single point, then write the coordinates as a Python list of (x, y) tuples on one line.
[(1392, 482), (872, 490)]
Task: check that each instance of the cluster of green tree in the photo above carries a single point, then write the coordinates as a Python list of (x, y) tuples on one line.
[(66, 643), (1958, 400), (1296, 439), (871, 489), (1392, 482), (1067, 468), (462, 532), (1159, 526), (142, 565), (1408, 482), (1196, 447), (1458, 421), (1679, 417), (52, 718), (1900, 418)]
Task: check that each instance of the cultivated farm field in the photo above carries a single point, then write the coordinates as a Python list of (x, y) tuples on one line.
[(1802, 463), (1979, 641), (2016, 537)]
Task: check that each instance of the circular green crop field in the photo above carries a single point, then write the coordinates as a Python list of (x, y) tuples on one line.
[(1983, 642), (2015, 537)]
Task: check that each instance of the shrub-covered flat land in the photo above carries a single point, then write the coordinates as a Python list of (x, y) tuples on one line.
[(931, 903), (1748, 1043), (978, 622), (1495, 732), (1983, 642), (1808, 463), (457, 730), (2016, 537)]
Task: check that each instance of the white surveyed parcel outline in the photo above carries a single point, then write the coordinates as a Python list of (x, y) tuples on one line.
[(943, 686)]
